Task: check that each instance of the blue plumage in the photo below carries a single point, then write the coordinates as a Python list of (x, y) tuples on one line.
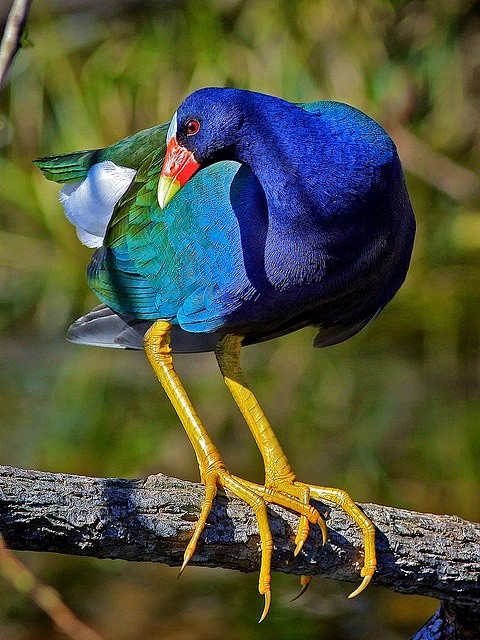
[(299, 217)]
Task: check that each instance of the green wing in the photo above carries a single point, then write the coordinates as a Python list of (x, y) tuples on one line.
[(130, 152)]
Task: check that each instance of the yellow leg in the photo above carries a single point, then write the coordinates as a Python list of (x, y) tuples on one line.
[(212, 469), (279, 477)]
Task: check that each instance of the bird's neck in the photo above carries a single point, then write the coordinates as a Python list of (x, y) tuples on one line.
[(290, 171), (292, 208)]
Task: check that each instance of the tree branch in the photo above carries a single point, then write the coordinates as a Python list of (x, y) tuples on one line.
[(11, 39), (151, 519), (451, 622), (435, 168)]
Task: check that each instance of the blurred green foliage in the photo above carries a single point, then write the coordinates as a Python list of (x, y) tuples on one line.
[(391, 416)]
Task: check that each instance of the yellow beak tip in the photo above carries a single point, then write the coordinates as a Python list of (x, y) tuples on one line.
[(167, 189)]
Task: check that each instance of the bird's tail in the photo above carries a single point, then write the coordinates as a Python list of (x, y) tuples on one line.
[(103, 327), (70, 167)]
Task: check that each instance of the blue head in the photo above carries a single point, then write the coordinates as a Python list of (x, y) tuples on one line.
[(327, 147)]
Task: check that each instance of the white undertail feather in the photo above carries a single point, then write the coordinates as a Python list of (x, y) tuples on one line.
[(89, 204)]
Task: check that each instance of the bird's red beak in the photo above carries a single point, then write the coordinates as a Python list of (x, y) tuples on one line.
[(179, 166)]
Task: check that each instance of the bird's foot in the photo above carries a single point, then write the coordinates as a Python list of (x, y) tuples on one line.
[(303, 493), (294, 496), (256, 496), (342, 499)]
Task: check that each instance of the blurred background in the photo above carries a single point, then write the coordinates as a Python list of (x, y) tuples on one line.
[(392, 415)]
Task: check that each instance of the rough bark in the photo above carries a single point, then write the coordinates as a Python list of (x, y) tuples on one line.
[(451, 622), (150, 519)]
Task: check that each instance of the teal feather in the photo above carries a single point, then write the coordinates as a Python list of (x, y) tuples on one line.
[(175, 253)]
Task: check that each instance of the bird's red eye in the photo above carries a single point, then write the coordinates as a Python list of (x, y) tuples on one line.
[(192, 127)]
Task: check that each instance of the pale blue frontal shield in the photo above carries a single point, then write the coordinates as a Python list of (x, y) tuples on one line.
[(172, 129)]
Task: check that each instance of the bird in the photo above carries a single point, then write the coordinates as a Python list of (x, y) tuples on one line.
[(244, 218)]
